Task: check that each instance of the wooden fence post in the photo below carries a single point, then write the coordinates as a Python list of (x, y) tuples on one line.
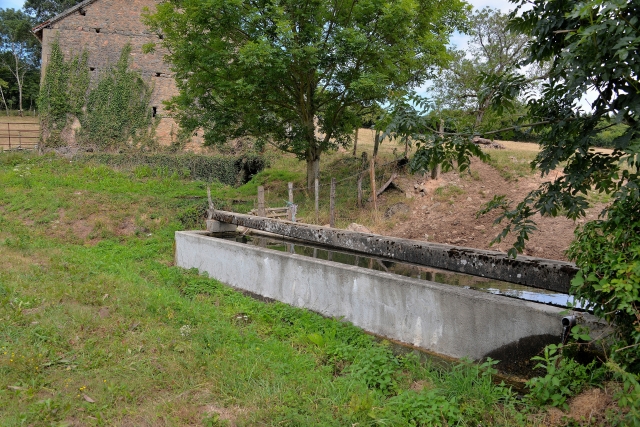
[(372, 175), (435, 173), (332, 204), (360, 190), (290, 210), (261, 209), (290, 185), (317, 195)]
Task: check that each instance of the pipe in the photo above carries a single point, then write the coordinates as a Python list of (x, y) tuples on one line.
[(568, 322)]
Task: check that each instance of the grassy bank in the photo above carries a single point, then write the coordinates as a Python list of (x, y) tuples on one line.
[(98, 327)]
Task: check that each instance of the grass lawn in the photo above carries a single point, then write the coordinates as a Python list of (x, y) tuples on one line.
[(99, 328)]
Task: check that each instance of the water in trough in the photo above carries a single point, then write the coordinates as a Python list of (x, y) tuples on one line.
[(406, 269)]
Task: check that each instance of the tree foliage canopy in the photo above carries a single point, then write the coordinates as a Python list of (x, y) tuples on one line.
[(41, 10), (297, 74), (471, 81), (593, 47), (19, 50)]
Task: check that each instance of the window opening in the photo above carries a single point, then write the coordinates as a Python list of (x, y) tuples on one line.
[(82, 12), (97, 30), (155, 110)]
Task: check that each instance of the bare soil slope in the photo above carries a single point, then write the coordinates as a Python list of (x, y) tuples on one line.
[(445, 212)]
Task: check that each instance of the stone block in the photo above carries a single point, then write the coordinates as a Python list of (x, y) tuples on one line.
[(214, 226)]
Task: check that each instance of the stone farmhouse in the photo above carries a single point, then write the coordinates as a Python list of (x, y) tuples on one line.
[(103, 28)]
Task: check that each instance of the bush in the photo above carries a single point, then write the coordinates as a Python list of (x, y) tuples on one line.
[(225, 169), (608, 255)]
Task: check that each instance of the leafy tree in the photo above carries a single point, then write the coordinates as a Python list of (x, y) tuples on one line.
[(477, 73), (591, 46), (19, 51), (295, 74), (3, 86), (41, 10)]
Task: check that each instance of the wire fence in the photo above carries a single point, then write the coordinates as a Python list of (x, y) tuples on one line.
[(329, 196)]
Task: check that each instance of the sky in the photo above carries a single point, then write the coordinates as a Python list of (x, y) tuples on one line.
[(503, 5), (11, 4)]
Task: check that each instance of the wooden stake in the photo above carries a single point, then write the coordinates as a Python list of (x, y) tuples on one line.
[(261, 210), (372, 176), (290, 185), (332, 204), (360, 190), (435, 172), (211, 208), (290, 210)]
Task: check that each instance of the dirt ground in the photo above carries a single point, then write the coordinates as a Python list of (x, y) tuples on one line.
[(450, 216)]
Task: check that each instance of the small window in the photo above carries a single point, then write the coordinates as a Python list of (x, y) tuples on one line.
[(158, 74), (82, 12), (160, 36), (97, 30), (92, 68), (154, 111)]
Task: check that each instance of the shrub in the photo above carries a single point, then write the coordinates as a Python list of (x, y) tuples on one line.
[(225, 169)]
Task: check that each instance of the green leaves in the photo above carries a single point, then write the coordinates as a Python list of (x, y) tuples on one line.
[(117, 107), (63, 92), (298, 76), (114, 112), (608, 254), (564, 378)]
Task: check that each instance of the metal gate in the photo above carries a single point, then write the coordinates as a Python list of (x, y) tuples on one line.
[(19, 135)]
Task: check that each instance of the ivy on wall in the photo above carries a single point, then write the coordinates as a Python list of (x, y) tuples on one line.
[(113, 110), (62, 94), (117, 109)]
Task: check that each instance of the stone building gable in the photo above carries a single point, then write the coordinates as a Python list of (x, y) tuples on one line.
[(103, 28)]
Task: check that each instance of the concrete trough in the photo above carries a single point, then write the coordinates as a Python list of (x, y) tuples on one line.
[(447, 320), (524, 270)]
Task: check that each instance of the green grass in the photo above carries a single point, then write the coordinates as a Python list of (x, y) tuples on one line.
[(99, 328), (447, 192), (513, 164)]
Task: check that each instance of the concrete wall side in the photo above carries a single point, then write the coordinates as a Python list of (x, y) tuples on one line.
[(444, 319)]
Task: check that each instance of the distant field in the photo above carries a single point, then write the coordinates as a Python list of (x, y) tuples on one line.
[(19, 132)]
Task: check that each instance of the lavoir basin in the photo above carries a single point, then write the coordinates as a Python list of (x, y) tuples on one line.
[(467, 281), (396, 300)]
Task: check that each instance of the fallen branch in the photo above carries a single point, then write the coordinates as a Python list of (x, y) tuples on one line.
[(489, 143), (384, 187)]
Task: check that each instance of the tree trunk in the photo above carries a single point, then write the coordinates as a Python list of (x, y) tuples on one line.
[(19, 81), (355, 142), (4, 101), (313, 169)]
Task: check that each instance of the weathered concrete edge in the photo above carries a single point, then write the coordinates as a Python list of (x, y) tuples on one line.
[(444, 319), (530, 271)]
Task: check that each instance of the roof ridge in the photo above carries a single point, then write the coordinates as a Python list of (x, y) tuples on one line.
[(60, 16)]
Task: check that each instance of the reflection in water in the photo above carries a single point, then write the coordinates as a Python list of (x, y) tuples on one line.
[(410, 270)]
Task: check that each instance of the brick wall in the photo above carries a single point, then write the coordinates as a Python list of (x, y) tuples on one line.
[(103, 27)]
